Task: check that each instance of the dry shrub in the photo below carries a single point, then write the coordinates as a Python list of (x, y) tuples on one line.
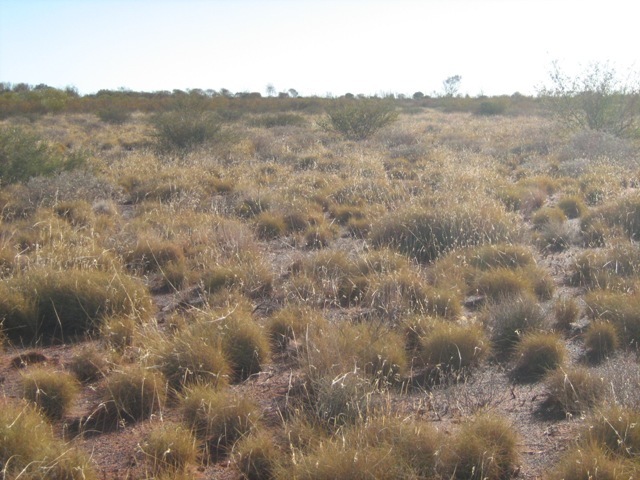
[(426, 234), (485, 448), (219, 418), (572, 391), (30, 450), (51, 391), (536, 354)]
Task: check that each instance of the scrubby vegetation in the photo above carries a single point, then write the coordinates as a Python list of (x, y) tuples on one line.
[(315, 288)]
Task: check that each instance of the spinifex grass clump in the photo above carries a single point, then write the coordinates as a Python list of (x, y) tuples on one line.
[(622, 214), (258, 456), (218, 418), (485, 448), (185, 129), (52, 392), (28, 448), (573, 391), (447, 350), (615, 268), (601, 340), (44, 305), (427, 233), (509, 318), (536, 354), (622, 310), (169, 449), (565, 311)]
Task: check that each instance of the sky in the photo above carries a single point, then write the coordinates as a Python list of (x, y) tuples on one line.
[(317, 47)]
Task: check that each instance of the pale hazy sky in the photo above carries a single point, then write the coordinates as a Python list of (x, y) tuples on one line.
[(317, 47)]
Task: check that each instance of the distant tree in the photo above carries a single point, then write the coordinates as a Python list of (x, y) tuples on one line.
[(451, 85), (271, 90), (595, 99), (293, 93), (418, 96), (283, 95)]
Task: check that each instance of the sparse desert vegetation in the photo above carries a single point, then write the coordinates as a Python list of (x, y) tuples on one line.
[(198, 285)]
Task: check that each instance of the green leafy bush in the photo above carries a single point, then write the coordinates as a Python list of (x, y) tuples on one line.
[(358, 119), (24, 155), (183, 130)]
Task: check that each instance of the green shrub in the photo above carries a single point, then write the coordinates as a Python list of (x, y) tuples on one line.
[(219, 418), (573, 391), (169, 449), (185, 129), (52, 392), (114, 114), (358, 119), (536, 354), (48, 305), (24, 155), (491, 107), (509, 319), (29, 450), (485, 448), (278, 120), (428, 233), (601, 340)]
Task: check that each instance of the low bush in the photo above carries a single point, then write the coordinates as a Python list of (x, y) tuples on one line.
[(114, 114), (601, 340), (29, 450), (46, 306), (183, 130), (572, 391), (490, 108), (485, 448), (536, 354), (358, 119), (24, 155), (168, 448), (219, 418), (428, 233), (52, 392)]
